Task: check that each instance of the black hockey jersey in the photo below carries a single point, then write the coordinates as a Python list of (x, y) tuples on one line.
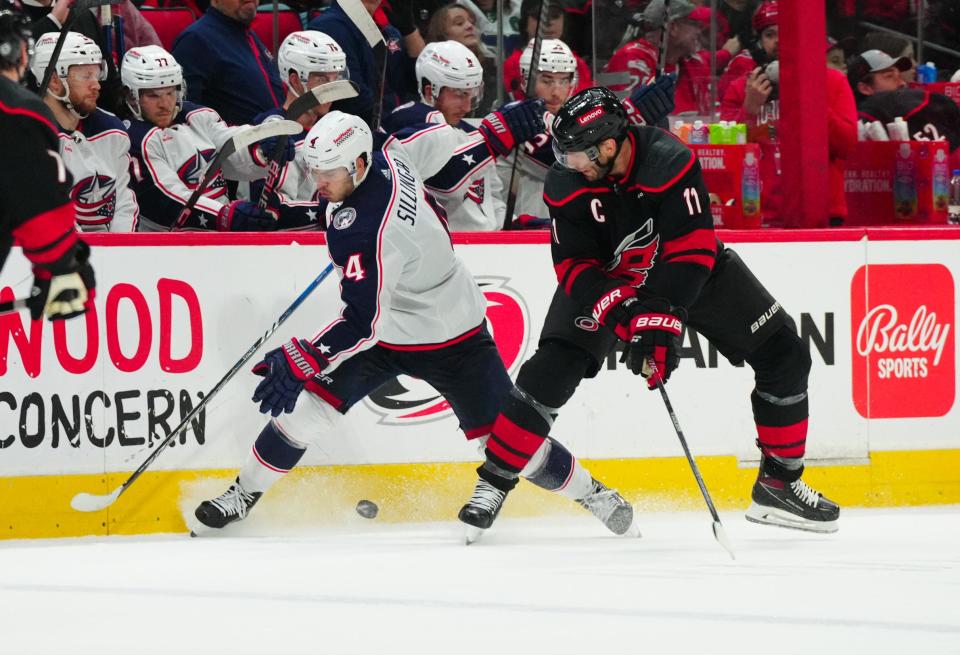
[(34, 184), (930, 116), (650, 229)]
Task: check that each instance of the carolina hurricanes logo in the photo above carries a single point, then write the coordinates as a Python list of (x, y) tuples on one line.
[(635, 255), (407, 401), (475, 191), (95, 198), (192, 170)]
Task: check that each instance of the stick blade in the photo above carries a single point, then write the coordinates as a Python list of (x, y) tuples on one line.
[(336, 90), (721, 536), (84, 502), (362, 19)]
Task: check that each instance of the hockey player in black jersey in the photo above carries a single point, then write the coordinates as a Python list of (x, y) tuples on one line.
[(636, 257), (35, 206)]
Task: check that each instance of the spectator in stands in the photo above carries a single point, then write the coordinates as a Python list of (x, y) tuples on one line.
[(399, 83), (49, 16), (764, 49), (874, 71), (137, 31), (225, 64), (684, 57), (554, 29), (836, 58), (455, 22), (895, 46), (93, 144), (738, 14)]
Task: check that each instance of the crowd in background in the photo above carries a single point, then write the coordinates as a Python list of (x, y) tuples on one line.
[(227, 67)]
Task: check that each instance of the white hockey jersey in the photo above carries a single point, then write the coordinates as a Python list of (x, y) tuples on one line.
[(97, 156), (168, 164), (535, 159), (401, 283), (464, 178)]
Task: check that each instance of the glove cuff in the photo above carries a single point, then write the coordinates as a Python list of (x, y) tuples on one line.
[(608, 307)]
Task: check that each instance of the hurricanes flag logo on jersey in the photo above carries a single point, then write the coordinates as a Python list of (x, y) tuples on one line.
[(95, 198), (635, 255)]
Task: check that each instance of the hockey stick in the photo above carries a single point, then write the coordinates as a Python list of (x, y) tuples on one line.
[(236, 143), (13, 305), (512, 188), (662, 55), (318, 95), (78, 8), (364, 22), (84, 502), (718, 531)]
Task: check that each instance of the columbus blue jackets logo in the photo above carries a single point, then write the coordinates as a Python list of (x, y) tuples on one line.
[(635, 255), (407, 401), (95, 198), (344, 218), (475, 191), (192, 170)]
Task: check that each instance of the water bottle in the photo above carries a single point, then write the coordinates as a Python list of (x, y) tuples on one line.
[(905, 184), (700, 134), (953, 204), (927, 73), (750, 188)]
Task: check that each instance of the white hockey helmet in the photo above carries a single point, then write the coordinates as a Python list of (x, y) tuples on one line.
[(150, 67), (335, 141), (449, 64), (77, 50), (311, 52), (555, 57)]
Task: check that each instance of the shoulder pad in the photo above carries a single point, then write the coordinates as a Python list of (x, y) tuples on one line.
[(661, 158)]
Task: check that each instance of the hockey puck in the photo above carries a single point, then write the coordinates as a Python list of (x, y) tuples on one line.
[(367, 509)]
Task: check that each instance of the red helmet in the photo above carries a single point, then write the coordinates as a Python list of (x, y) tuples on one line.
[(766, 15)]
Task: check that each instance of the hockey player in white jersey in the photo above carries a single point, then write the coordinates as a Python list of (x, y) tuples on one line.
[(450, 80), (410, 306), (93, 144), (172, 143)]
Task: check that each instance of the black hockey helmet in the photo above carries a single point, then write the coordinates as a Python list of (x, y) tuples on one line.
[(14, 32), (586, 120)]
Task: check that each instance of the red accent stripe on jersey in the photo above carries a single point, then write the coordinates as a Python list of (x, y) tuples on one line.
[(926, 101), (633, 157), (703, 239), (265, 463), (707, 261), (17, 111), (476, 433), (47, 236), (430, 346), (515, 437), (319, 390), (266, 78), (578, 192), (785, 441), (569, 269), (664, 187)]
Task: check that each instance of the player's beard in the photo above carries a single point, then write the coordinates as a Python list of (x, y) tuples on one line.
[(87, 104)]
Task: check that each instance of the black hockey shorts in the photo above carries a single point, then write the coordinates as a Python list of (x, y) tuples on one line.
[(734, 312), (469, 375)]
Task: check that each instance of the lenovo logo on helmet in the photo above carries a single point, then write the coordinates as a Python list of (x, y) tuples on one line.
[(591, 116)]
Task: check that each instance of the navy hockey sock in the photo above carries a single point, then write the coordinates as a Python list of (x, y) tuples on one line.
[(272, 456)]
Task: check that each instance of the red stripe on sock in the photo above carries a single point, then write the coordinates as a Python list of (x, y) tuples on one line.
[(516, 437), (785, 441), (476, 433), (508, 457), (266, 464)]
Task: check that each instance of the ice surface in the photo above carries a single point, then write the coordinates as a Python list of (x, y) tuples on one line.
[(887, 582)]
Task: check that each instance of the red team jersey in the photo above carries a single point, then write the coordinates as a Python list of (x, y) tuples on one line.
[(639, 59)]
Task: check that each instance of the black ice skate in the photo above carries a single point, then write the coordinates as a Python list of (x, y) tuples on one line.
[(792, 505), (610, 507), (481, 510), (232, 505)]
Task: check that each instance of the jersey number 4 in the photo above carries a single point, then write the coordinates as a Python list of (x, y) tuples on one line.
[(354, 269)]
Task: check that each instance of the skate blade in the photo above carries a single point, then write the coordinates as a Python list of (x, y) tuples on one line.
[(633, 532), (471, 534), (782, 519)]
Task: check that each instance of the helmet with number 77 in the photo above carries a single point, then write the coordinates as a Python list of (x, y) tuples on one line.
[(150, 67)]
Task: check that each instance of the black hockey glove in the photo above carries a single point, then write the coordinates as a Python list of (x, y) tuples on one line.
[(65, 288), (263, 150), (285, 371), (651, 103), (513, 124), (652, 328), (244, 216)]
